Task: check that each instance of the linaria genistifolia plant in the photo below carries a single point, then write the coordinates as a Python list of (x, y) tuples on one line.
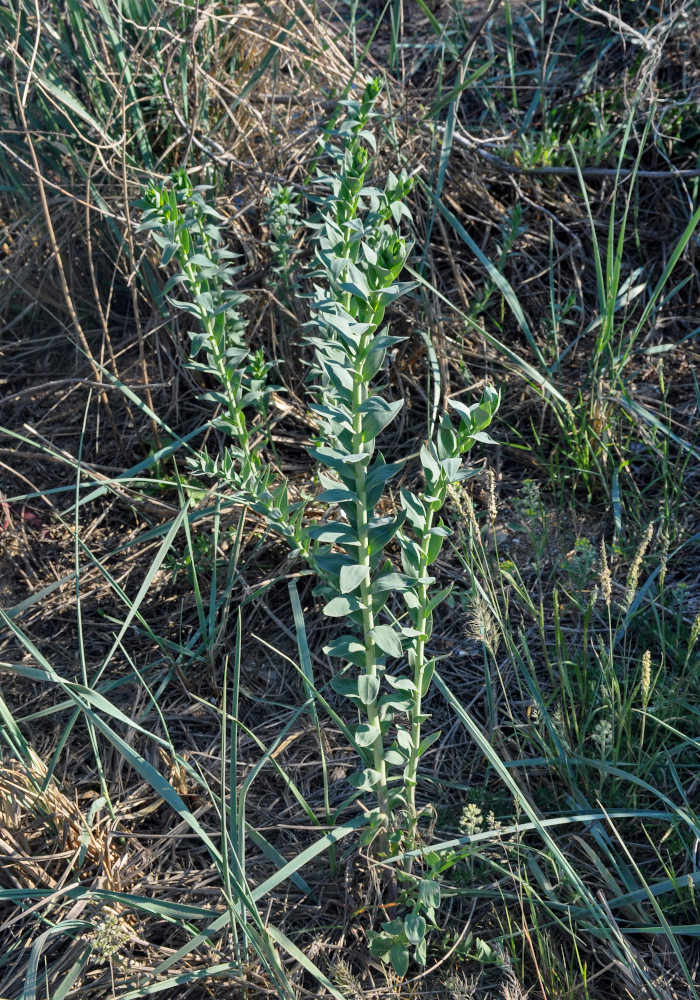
[(184, 226), (283, 219), (359, 256)]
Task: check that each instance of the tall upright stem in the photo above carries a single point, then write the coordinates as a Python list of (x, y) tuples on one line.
[(359, 395), (418, 674)]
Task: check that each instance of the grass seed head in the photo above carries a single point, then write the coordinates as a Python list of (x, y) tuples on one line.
[(602, 736), (482, 625), (493, 506), (635, 569), (346, 981), (694, 632), (646, 677), (605, 577)]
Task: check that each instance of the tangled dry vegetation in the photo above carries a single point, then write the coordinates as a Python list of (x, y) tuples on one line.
[(169, 780)]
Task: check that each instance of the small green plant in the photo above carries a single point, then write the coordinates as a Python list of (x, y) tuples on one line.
[(184, 226), (283, 221), (359, 256)]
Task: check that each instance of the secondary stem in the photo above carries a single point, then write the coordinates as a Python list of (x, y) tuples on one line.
[(418, 673)]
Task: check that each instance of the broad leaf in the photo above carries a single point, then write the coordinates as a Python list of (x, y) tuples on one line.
[(387, 640), (399, 958), (368, 688), (338, 607), (351, 577), (366, 735), (414, 927)]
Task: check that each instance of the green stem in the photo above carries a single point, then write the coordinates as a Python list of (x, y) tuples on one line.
[(359, 395), (418, 674), (231, 386)]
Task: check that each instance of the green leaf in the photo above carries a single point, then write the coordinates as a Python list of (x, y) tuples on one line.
[(411, 556), (403, 738), (366, 735), (389, 704), (348, 647), (414, 926), (399, 958), (329, 563), (400, 683), (368, 688), (365, 780), (377, 414), (393, 927), (415, 511), (351, 577), (338, 494), (347, 686), (380, 472), (428, 742), (427, 677), (387, 640), (339, 460), (429, 893), (439, 597), (396, 582), (486, 954), (379, 945), (383, 529), (435, 542), (430, 466), (338, 607)]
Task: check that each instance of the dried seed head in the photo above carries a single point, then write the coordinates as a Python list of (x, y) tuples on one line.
[(465, 508), (605, 577), (694, 632), (635, 569), (646, 677), (471, 516), (481, 625), (493, 507), (492, 823), (460, 988), (346, 981)]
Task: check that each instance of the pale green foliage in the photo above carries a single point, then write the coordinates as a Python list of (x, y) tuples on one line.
[(359, 256), (185, 228), (283, 220)]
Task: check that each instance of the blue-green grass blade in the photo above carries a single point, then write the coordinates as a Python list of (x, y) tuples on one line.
[(305, 962), (64, 927)]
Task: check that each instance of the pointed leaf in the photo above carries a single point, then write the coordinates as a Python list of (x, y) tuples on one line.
[(399, 958), (365, 735), (387, 640), (368, 688), (351, 577), (338, 607)]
